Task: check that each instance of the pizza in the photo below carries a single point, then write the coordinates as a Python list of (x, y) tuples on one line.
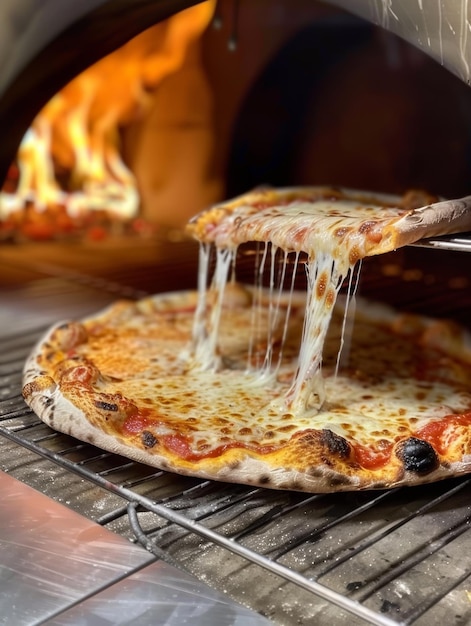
[(267, 384)]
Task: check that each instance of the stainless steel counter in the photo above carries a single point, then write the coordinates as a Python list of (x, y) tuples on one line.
[(57, 567)]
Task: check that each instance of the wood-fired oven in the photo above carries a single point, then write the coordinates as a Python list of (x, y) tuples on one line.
[(261, 92)]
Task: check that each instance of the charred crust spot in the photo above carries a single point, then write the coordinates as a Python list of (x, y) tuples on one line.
[(417, 455), (326, 461), (106, 406), (234, 465), (335, 444), (316, 472), (264, 479), (48, 401), (148, 439), (339, 480)]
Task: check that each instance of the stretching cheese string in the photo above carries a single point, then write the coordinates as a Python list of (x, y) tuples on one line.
[(325, 277)]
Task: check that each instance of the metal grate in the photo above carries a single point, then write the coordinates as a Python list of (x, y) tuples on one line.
[(393, 557)]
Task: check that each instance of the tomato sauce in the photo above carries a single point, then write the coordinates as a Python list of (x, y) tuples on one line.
[(373, 458), (80, 374), (135, 424), (434, 432), (180, 446)]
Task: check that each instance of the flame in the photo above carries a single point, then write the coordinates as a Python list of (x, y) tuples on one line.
[(75, 137)]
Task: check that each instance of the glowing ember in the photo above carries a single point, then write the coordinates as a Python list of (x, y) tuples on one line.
[(69, 164)]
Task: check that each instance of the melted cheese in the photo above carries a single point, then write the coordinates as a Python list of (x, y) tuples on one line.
[(376, 399), (334, 235), (204, 353)]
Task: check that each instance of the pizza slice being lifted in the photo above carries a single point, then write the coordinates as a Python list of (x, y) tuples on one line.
[(335, 229), (298, 219), (244, 383)]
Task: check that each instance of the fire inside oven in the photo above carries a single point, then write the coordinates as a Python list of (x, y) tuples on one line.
[(205, 105)]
